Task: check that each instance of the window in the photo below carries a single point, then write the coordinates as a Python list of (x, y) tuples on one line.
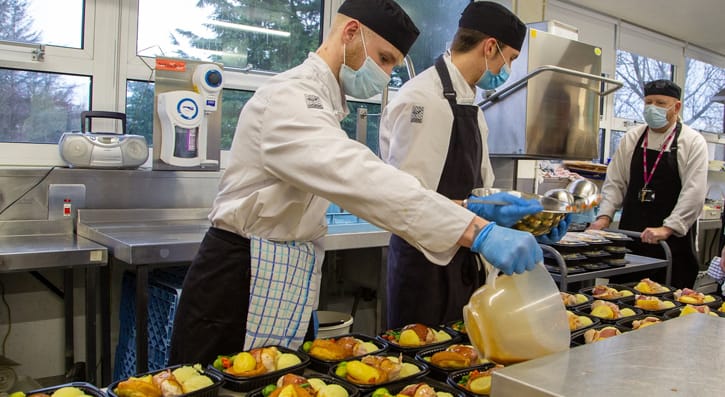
[(349, 123), (140, 97), (702, 82), (634, 70), (51, 22), (270, 35), (39, 107)]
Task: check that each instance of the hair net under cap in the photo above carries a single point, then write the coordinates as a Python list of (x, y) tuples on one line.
[(494, 20), (384, 17), (663, 87)]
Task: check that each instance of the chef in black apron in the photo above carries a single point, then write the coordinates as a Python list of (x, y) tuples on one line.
[(655, 192), (413, 138)]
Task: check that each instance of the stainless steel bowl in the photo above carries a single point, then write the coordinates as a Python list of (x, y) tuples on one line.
[(537, 224), (586, 194), (561, 195)]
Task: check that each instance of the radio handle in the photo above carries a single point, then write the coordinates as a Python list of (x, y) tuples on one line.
[(87, 115)]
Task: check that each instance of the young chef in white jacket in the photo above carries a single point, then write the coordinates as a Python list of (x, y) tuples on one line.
[(255, 280), (658, 177), (433, 130)]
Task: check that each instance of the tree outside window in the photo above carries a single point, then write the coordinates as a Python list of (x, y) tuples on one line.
[(702, 82)]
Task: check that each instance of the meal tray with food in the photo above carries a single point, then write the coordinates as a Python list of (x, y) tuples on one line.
[(610, 292), (654, 304), (399, 341), (649, 287), (692, 297), (351, 390), (208, 390), (607, 317), (323, 365), (339, 371), (440, 369), (457, 328), (247, 383), (643, 320), (572, 300), (578, 338), (458, 379), (400, 389), (690, 309), (72, 389)]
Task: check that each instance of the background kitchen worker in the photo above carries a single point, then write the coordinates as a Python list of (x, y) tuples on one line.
[(658, 176), (433, 130), (256, 277)]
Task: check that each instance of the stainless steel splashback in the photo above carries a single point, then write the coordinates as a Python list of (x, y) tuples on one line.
[(549, 107)]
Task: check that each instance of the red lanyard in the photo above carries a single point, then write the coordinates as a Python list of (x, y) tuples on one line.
[(648, 178)]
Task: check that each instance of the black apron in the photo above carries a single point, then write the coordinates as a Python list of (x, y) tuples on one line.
[(638, 216), (418, 290), (211, 317)]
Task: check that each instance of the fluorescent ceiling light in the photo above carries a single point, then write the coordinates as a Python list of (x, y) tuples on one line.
[(248, 28)]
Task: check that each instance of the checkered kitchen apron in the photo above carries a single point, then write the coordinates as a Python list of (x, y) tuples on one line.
[(285, 286)]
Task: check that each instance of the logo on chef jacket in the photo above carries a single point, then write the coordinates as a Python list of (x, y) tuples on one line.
[(313, 101), (187, 109), (416, 115)]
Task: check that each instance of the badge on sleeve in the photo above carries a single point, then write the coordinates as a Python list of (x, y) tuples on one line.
[(313, 101), (416, 115)]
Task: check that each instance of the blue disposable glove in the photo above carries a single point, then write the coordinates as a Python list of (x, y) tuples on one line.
[(510, 250), (556, 233), (504, 215)]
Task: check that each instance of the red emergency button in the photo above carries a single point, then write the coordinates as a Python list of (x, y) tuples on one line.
[(66, 207)]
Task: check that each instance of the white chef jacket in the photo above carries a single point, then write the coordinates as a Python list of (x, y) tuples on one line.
[(290, 156), (692, 163), (415, 128)]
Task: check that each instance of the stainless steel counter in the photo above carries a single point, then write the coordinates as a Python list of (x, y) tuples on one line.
[(155, 236), (32, 245), (680, 357), (144, 238)]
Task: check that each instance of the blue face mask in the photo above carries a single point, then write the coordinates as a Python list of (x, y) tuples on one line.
[(655, 116), (366, 82), (490, 81)]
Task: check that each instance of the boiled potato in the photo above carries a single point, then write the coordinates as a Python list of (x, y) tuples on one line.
[(408, 369), (603, 312), (286, 360), (585, 321), (443, 394), (442, 336), (68, 392), (243, 362), (196, 382), (409, 338), (184, 372), (316, 383), (481, 385), (626, 312), (626, 292), (370, 347), (332, 390), (363, 373)]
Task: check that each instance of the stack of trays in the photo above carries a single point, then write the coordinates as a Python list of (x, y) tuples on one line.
[(589, 251)]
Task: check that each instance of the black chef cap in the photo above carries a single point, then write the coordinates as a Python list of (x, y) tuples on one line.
[(494, 20), (384, 17), (663, 87)]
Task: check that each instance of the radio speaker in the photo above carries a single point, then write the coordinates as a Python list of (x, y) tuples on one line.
[(135, 151), (76, 149)]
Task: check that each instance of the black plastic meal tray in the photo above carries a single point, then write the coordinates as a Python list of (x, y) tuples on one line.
[(627, 322), (209, 391), (436, 385), (352, 391), (674, 313), (408, 379), (412, 351), (87, 388), (577, 338), (456, 376), (713, 305), (661, 311), (451, 328), (247, 383), (437, 372), (574, 307), (587, 310), (595, 321), (323, 366), (618, 287), (671, 289)]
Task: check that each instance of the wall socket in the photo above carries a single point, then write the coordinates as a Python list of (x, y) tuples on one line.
[(65, 199)]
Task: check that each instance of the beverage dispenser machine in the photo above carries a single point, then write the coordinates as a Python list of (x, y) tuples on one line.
[(187, 116)]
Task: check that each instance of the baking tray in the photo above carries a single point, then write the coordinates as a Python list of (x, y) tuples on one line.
[(87, 388), (423, 371), (352, 391), (322, 365), (437, 372), (456, 376), (209, 391), (436, 385), (247, 383), (412, 351)]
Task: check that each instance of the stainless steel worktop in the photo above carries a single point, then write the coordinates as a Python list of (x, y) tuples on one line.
[(680, 357), (40, 244), (154, 236)]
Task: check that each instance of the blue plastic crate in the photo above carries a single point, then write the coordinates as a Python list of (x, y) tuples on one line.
[(164, 293)]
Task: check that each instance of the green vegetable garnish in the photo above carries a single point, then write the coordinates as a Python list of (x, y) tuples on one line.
[(267, 390), (341, 369), (307, 346)]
